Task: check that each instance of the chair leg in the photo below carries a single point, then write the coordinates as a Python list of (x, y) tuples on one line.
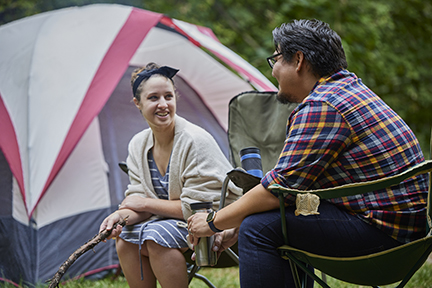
[(324, 277), (193, 274), (294, 273), (233, 255), (205, 280), (306, 270)]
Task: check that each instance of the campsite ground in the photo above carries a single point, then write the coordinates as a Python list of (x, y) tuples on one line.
[(228, 278)]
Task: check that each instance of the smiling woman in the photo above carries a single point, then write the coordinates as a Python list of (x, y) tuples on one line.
[(156, 99), (170, 165)]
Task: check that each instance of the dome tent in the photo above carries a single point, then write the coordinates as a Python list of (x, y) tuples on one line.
[(66, 117)]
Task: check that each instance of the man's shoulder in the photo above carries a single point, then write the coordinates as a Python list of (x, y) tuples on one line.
[(339, 88), (336, 83)]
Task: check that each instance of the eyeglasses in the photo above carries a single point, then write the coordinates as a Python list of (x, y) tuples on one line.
[(272, 60)]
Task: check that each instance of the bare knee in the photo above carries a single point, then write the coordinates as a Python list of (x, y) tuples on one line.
[(123, 247)]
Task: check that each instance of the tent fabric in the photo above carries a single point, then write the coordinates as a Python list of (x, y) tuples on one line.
[(66, 117)]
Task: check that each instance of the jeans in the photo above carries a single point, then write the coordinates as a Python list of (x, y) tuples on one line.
[(332, 233)]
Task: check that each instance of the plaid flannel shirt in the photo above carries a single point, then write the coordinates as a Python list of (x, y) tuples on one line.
[(343, 133)]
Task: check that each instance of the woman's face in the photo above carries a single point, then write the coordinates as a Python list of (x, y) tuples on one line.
[(158, 102)]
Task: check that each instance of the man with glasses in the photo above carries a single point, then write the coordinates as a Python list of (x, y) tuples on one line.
[(340, 133)]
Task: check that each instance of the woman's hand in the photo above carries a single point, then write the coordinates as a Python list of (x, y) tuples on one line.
[(108, 224), (198, 227)]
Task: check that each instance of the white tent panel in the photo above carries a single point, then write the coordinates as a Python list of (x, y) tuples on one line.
[(19, 211), (198, 68), (228, 55), (82, 183), (90, 33), (16, 50)]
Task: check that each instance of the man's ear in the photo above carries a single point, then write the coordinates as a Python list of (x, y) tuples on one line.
[(300, 61)]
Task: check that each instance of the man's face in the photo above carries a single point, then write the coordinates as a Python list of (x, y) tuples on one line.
[(287, 77)]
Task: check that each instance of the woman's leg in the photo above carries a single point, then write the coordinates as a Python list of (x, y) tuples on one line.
[(130, 263), (333, 233), (168, 265)]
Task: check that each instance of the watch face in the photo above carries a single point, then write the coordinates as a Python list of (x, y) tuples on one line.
[(210, 216)]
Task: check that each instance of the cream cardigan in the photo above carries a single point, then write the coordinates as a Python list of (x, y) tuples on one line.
[(197, 167)]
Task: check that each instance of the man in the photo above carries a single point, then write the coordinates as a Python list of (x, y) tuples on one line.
[(340, 133)]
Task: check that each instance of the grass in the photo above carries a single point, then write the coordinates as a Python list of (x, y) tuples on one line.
[(228, 278)]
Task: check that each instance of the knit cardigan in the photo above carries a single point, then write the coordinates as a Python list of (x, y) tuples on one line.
[(197, 167)]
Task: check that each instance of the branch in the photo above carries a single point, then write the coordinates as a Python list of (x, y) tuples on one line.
[(54, 281)]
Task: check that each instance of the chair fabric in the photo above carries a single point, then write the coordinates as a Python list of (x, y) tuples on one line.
[(257, 119), (376, 269), (387, 267)]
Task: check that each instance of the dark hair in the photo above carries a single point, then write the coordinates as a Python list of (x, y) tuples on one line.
[(134, 76), (321, 46)]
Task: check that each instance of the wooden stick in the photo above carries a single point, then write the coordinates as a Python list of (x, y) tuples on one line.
[(55, 280)]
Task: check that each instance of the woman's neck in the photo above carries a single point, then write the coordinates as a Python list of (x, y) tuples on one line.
[(164, 137), (163, 141)]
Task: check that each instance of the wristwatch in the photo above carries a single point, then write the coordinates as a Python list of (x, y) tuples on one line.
[(210, 218)]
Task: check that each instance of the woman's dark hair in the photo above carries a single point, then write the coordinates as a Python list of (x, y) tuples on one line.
[(134, 76), (321, 46)]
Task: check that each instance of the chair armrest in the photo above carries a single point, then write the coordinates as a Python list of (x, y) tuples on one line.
[(360, 187), (242, 179)]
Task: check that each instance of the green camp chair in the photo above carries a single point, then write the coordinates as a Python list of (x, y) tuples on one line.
[(383, 268)]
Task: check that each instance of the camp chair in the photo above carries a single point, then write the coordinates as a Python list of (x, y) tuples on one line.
[(256, 119), (383, 268)]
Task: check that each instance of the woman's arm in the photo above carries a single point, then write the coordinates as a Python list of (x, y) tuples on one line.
[(161, 207)]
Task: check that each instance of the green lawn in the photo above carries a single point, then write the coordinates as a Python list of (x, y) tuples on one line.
[(228, 278)]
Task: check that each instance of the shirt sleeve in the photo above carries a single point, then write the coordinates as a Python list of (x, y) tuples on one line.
[(317, 134)]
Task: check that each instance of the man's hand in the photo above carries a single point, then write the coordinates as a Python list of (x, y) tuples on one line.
[(225, 239)]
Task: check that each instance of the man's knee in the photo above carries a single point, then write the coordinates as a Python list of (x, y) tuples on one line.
[(250, 228)]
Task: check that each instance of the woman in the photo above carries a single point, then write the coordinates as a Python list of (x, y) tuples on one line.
[(171, 164)]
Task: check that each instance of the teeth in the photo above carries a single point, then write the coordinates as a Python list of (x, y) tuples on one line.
[(162, 114)]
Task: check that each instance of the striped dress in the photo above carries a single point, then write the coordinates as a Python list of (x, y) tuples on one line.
[(169, 233)]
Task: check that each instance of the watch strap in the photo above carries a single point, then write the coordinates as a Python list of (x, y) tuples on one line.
[(213, 227)]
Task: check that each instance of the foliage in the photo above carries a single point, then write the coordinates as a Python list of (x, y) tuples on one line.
[(386, 42)]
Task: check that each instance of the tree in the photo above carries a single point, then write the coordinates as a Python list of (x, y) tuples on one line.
[(387, 43)]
